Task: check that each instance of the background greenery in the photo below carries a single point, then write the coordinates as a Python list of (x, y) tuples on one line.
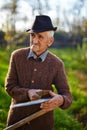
[(74, 118)]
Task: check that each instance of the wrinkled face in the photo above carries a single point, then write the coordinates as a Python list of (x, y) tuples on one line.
[(41, 41)]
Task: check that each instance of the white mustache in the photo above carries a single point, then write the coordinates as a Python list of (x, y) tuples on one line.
[(31, 46)]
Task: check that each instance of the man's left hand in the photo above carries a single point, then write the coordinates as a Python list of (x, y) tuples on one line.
[(56, 101)]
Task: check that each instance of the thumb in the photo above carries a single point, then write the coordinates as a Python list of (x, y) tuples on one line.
[(52, 93)]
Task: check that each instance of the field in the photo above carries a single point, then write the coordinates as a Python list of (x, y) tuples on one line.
[(74, 118)]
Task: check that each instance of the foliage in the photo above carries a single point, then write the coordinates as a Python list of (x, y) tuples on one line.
[(75, 59), (64, 121), (3, 42)]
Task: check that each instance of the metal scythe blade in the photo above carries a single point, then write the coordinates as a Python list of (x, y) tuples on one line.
[(30, 103)]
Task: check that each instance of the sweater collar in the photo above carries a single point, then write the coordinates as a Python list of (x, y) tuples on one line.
[(42, 56)]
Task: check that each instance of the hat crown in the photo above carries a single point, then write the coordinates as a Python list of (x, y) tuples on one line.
[(42, 23)]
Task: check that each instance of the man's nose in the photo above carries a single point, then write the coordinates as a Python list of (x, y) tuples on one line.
[(35, 40)]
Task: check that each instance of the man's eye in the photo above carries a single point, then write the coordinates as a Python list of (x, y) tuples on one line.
[(32, 35), (40, 37)]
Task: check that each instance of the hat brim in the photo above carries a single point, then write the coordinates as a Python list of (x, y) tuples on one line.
[(42, 30)]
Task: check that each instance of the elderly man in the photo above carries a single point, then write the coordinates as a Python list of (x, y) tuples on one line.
[(33, 70)]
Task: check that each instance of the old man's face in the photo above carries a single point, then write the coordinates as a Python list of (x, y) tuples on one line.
[(41, 41)]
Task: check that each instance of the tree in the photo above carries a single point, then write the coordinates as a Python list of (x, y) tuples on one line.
[(76, 12), (85, 27), (38, 6), (11, 8)]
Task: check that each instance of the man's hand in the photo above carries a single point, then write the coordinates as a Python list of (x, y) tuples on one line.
[(35, 94), (56, 101)]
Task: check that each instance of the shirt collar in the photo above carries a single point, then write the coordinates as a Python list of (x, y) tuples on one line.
[(42, 56)]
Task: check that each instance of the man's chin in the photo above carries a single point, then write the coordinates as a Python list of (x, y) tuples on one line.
[(35, 48), (36, 51)]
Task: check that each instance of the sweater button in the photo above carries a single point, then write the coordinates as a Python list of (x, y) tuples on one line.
[(32, 81), (35, 69)]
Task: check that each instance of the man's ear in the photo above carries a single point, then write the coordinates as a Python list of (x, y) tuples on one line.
[(51, 40)]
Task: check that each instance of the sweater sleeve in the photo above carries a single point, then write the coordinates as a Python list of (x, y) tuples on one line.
[(62, 86), (18, 93)]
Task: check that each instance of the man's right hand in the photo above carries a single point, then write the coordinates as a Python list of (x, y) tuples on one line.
[(35, 94)]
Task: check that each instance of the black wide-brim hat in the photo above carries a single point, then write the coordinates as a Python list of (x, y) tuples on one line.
[(42, 23)]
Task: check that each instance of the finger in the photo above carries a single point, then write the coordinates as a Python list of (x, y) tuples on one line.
[(48, 108), (47, 105), (52, 93), (35, 97), (44, 105)]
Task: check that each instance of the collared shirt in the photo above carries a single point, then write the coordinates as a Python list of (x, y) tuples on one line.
[(42, 56)]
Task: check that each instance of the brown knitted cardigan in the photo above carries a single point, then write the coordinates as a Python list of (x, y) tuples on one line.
[(25, 74)]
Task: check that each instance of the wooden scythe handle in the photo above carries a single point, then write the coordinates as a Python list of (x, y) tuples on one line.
[(26, 120)]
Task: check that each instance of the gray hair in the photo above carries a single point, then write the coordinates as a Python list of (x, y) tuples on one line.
[(50, 33)]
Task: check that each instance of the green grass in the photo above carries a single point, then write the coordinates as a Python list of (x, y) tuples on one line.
[(75, 62), (73, 59), (64, 121)]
